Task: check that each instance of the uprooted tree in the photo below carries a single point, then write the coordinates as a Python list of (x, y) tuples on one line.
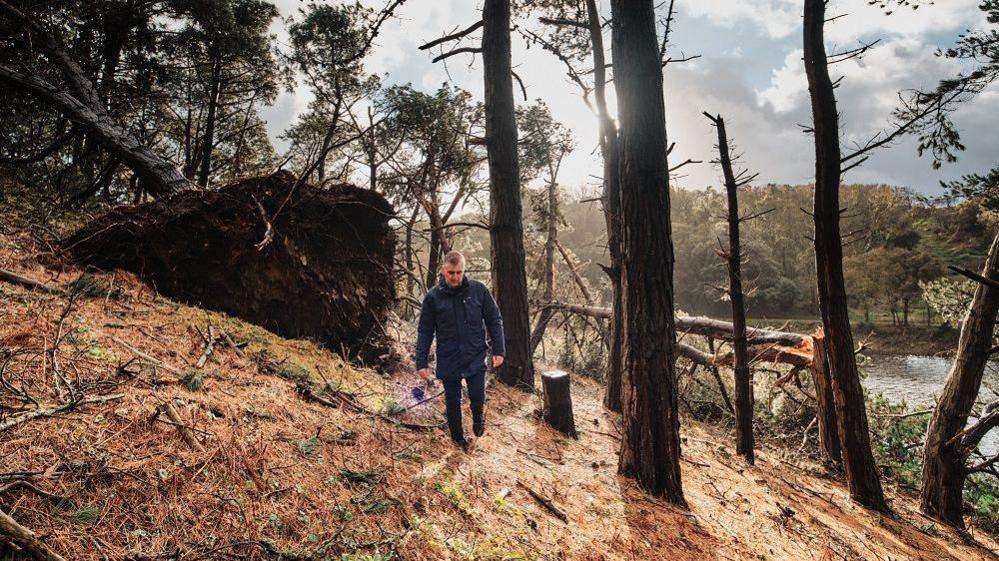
[(262, 250)]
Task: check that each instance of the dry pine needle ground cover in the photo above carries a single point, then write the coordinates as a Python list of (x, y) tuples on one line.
[(163, 441)]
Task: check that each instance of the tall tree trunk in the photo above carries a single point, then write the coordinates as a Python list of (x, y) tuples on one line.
[(743, 376), (371, 150), (944, 455), (650, 444), (611, 201), (208, 143), (550, 242), (858, 461), (437, 246), (506, 214)]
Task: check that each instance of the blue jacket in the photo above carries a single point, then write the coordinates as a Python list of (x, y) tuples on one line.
[(460, 318)]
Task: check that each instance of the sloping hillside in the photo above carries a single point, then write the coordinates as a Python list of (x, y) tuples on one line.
[(288, 452)]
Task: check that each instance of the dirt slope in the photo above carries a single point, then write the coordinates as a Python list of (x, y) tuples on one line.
[(281, 476)]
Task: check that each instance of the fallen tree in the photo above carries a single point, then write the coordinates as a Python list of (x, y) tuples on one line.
[(764, 344), (298, 260), (799, 351)]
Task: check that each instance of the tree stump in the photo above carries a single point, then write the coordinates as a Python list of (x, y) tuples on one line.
[(558, 402)]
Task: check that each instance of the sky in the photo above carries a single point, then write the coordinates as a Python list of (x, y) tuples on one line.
[(749, 70)]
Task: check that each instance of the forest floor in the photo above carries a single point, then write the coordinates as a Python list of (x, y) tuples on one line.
[(289, 452)]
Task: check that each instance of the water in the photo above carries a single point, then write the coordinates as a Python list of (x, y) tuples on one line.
[(918, 379)]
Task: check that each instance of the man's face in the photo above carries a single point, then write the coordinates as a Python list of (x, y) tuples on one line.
[(453, 274)]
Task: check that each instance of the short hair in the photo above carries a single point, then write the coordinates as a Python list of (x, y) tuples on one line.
[(453, 257)]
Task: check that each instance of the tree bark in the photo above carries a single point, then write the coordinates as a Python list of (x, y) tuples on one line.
[(558, 402), (743, 376), (825, 403), (546, 313), (650, 444), (611, 201), (506, 212), (26, 539), (858, 461), (944, 454), (208, 143)]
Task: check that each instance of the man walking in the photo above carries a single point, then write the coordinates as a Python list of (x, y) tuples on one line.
[(460, 312)]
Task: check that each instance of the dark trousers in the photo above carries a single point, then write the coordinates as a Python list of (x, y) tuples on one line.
[(452, 400)]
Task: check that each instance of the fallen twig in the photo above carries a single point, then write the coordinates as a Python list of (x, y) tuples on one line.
[(146, 356), (50, 411), (232, 344), (14, 278), (209, 348), (26, 539), (349, 401), (547, 503), (184, 430)]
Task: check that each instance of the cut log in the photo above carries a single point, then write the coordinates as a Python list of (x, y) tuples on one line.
[(558, 402), (326, 273)]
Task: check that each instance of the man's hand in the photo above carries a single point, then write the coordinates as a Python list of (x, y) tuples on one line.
[(497, 361)]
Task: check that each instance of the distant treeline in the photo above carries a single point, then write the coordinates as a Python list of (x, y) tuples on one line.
[(893, 240)]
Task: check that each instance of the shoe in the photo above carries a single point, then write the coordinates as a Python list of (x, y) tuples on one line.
[(463, 444)]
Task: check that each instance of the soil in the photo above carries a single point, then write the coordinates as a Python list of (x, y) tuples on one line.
[(295, 259), (282, 476)]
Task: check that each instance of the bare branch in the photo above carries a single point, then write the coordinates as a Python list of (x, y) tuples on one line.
[(450, 54), (852, 53), (683, 163), (452, 36), (975, 277), (756, 215), (523, 90)]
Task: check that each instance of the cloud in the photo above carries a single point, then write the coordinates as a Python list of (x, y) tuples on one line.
[(765, 123), (762, 97), (780, 19)]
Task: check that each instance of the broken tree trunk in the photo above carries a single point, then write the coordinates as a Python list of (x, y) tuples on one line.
[(326, 272), (81, 104), (558, 402), (703, 326), (945, 453), (743, 375), (825, 404)]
